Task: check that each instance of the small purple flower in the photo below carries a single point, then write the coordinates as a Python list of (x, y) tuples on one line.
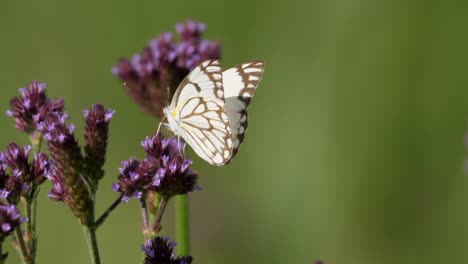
[(32, 106), (9, 219), (41, 168), (10, 186), (17, 159), (17, 175), (134, 178), (163, 171), (96, 133), (59, 190), (175, 178), (163, 64), (160, 250)]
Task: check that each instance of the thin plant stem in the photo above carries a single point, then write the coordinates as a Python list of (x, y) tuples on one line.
[(159, 215), (182, 225), (107, 212), (90, 234), (31, 203), (153, 206), (29, 216), (34, 213), (144, 214), (22, 247)]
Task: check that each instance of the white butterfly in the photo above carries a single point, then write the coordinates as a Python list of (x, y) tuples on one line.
[(209, 108)]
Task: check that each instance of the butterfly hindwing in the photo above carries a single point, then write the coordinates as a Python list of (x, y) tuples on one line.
[(205, 127), (240, 83)]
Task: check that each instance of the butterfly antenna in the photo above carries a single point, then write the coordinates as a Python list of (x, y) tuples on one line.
[(168, 95)]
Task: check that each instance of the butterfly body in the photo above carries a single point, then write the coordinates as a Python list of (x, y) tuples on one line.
[(208, 109)]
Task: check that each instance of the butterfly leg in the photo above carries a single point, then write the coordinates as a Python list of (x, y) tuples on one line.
[(181, 152), (160, 123)]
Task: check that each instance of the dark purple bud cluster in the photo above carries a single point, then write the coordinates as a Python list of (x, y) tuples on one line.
[(10, 219), (19, 177), (161, 66), (160, 250), (163, 171), (96, 134), (32, 107), (74, 176)]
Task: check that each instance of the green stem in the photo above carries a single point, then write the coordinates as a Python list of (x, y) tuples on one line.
[(90, 234), (145, 217), (159, 215), (107, 212), (182, 225), (34, 215), (22, 247), (31, 202), (29, 216)]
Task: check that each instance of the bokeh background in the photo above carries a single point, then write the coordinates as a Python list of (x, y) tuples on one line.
[(355, 149)]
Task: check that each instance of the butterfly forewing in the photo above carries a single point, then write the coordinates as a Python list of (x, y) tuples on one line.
[(205, 127), (203, 81), (240, 83)]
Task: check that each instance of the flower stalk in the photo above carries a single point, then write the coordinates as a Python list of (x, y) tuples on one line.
[(91, 240), (22, 247), (182, 224), (109, 210)]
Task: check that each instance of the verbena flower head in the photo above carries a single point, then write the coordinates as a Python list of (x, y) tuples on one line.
[(32, 107), (68, 183), (135, 178), (173, 176), (17, 175), (75, 177), (96, 133), (163, 64), (9, 219), (17, 159), (163, 171), (160, 250)]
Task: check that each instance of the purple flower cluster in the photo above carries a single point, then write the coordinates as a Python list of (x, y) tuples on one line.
[(96, 134), (19, 177), (163, 64), (163, 171), (9, 219), (32, 107), (73, 174), (68, 185), (160, 250)]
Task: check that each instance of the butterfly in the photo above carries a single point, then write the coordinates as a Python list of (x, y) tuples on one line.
[(209, 108)]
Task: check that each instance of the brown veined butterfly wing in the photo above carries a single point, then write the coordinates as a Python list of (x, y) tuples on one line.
[(240, 83), (197, 114)]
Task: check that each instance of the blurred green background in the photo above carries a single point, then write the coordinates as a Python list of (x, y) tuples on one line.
[(355, 148)]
